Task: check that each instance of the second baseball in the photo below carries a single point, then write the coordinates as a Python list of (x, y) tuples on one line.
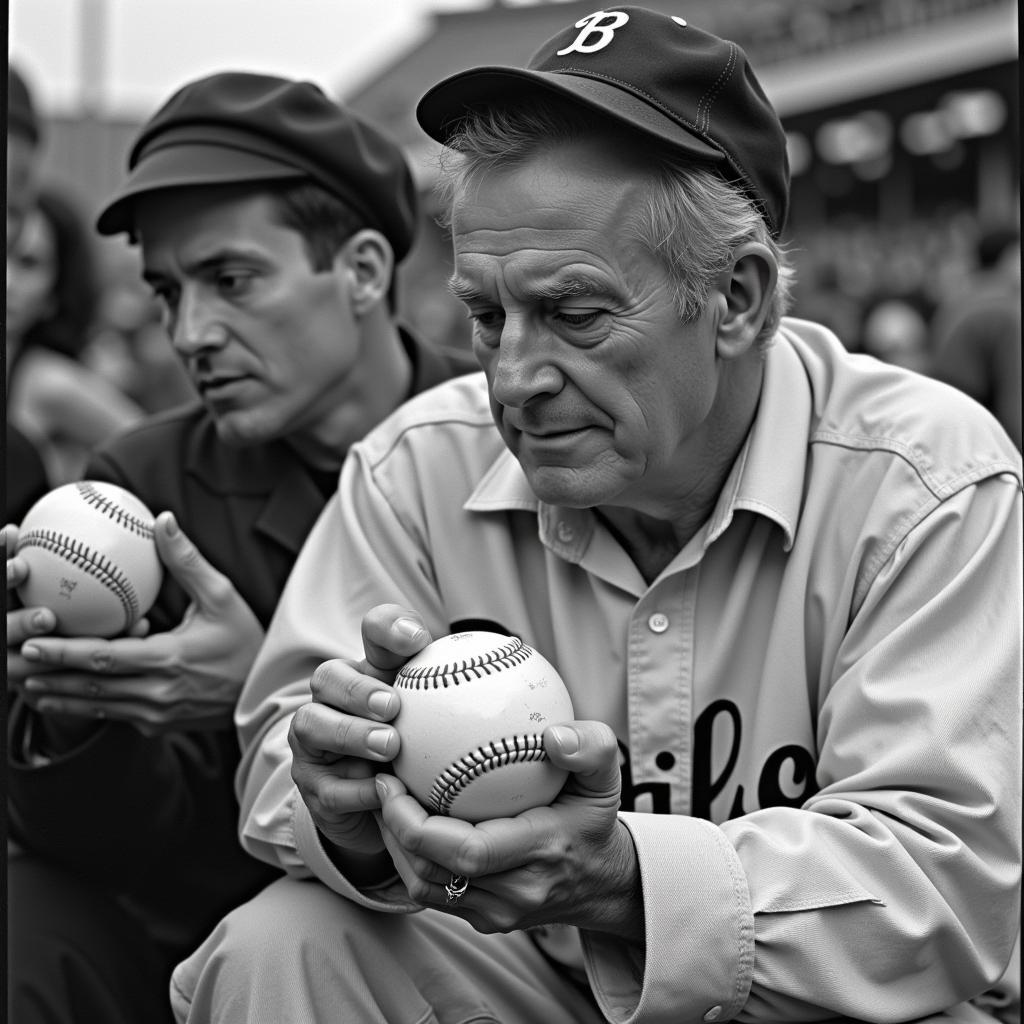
[(474, 709), (91, 558)]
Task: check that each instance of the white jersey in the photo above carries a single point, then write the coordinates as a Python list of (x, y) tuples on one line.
[(817, 702)]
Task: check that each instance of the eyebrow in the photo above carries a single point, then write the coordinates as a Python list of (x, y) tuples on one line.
[(566, 287), (210, 263)]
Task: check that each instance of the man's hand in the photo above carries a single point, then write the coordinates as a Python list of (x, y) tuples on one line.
[(570, 863), (342, 738), (22, 623), (187, 678)]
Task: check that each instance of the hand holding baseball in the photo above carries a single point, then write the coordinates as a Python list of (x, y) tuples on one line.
[(569, 863), (343, 736), (22, 623), (91, 558), (187, 678)]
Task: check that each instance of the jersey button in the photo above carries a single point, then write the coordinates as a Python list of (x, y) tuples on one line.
[(666, 760), (657, 623)]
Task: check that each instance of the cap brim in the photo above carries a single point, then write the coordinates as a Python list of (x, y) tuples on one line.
[(446, 103), (182, 166)]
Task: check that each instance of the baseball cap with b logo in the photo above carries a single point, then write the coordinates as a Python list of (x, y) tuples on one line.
[(653, 72)]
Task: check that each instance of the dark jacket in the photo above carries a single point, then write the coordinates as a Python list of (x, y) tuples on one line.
[(153, 819)]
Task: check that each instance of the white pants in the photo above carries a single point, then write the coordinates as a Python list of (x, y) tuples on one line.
[(300, 954)]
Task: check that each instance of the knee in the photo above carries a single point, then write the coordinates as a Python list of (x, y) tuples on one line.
[(276, 920), (263, 954)]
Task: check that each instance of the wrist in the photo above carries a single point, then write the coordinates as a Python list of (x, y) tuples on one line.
[(362, 870), (622, 913)]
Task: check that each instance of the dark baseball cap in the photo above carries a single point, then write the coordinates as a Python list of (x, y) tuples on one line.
[(236, 127), (655, 73)]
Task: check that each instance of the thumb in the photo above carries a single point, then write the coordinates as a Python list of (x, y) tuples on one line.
[(392, 634), (198, 578), (590, 752)]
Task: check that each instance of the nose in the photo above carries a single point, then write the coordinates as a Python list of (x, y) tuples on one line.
[(523, 369), (194, 326)]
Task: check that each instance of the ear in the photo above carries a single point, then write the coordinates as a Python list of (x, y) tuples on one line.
[(744, 295), (369, 262)]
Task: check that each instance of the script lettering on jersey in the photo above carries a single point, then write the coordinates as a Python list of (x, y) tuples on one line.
[(785, 768)]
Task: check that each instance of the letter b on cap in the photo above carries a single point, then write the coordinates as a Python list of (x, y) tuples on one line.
[(602, 24)]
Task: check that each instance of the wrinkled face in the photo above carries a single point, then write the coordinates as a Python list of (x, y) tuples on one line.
[(31, 273), (597, 386), (268, 342)]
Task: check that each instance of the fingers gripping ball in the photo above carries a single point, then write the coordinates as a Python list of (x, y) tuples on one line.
[(474, 708), (91, 558)]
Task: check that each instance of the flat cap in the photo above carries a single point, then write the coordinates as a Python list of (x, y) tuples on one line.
[(654, 72), (235, 127)]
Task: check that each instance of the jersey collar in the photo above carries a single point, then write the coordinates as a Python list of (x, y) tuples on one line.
[(766, 478)]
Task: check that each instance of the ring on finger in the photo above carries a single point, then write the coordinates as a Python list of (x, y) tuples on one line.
[(456, 888)]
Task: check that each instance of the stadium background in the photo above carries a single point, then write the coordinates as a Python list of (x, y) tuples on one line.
[(903, 120)]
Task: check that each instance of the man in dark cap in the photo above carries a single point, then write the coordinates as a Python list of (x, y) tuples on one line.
[(781, 583), (269, 222)]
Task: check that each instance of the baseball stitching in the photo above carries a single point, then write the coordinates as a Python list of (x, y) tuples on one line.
[(112, 510), (451, 782), (91, 563), (423, 677)]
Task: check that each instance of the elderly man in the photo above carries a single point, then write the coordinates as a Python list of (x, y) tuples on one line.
[(781, 584), (269, 222)]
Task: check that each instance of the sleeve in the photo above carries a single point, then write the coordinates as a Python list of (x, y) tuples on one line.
[(360, 553), (894, 891)]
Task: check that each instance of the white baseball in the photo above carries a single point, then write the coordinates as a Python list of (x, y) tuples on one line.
[(91, 558), (474, 708)]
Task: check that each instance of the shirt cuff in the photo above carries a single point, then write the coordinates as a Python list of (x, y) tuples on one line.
[(698, 959), (390, 897)]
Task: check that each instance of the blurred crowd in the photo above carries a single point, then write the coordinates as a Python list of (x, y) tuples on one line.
[(940, 296), (86, 354)]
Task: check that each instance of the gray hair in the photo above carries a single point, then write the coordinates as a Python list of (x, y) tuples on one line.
[(690, 217)]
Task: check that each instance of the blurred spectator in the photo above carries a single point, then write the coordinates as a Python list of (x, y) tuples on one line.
[(26, 478), (819, 297), (129, 343), (977, 334), (24, 134), (897, 333), (60, 404)]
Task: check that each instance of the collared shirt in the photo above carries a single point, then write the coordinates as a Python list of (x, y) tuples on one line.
[(817, 702)]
